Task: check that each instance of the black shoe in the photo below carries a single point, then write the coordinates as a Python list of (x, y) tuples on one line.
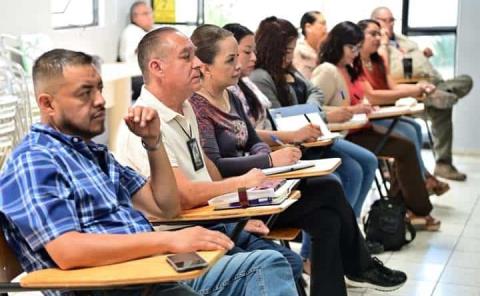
[(378, 277), (374, 248)]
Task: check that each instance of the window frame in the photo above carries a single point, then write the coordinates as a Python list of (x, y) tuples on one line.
[(95, 20), (423, 31)]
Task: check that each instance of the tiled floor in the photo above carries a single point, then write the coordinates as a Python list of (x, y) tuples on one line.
[(444, 263)]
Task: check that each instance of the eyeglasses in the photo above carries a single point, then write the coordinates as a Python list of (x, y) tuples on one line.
[(374, 33), (354, 48), (386, 20)]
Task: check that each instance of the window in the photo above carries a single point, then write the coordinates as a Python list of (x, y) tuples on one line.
[(73, 13), (433, 24)]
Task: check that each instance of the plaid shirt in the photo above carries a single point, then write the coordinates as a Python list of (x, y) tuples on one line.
[(54, 183)]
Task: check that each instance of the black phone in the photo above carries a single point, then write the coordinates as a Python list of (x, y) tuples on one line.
[(186, 261)]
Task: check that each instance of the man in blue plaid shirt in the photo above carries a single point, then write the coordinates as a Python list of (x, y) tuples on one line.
[(65, 202)]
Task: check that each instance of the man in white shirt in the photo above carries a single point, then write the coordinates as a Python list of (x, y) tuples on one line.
[(170, 79), (141, 22)]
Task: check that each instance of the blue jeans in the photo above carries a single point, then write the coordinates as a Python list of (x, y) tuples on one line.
[(253, 273), (262, 272), (356, 174), (411, 130), (250, 242)]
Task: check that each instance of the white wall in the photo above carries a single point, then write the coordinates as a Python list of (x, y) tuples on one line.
[(27, 16), (467, 112)]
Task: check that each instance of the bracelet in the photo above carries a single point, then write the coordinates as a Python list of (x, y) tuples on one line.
[(157, 145), (270, 159)]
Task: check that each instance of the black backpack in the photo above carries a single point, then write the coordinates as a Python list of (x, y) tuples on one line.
[(386, 224)]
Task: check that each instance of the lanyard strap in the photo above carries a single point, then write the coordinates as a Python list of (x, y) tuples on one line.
[(189, 136)]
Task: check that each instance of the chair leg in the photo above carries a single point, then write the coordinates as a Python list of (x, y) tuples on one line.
[(301, 285), (430, 138)]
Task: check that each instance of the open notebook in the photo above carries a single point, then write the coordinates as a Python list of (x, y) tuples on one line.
[(295, 122), (301, 164), (271, 192)]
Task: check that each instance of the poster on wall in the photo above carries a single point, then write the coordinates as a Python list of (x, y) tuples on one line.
[(164, 11)]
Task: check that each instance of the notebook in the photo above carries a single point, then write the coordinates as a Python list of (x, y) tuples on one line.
[(301, 164), (295, 122), (271, 192)]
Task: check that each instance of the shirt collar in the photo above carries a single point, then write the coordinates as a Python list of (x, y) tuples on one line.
[(165, 113), (67, 139)]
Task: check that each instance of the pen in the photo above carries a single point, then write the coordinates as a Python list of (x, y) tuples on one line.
[(308, 119), (342, 94), (277, 140)]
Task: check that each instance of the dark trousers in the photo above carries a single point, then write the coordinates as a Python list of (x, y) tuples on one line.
[(338, 247), (407, 180)]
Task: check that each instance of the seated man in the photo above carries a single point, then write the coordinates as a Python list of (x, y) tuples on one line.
[(394, 48), (196, 185), (67, 203), (141, 21)]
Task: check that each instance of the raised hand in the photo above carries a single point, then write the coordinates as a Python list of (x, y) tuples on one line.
[(145, 123)]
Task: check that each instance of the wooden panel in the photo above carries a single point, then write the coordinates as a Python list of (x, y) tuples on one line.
[(142, 271), (288, 233)]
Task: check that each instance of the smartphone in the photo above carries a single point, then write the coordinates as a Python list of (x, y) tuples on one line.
[(186, 261)]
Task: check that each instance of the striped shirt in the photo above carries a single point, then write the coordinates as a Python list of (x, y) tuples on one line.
[(55, 183)]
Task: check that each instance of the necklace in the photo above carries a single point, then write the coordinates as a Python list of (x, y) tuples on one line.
[(221, 103), (367, 64)]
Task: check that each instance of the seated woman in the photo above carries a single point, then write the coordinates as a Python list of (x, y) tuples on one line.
[(230, 141), (285, 86), (339, 74), (380, 89)]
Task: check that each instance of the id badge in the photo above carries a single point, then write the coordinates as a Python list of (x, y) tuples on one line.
[(195, 154)]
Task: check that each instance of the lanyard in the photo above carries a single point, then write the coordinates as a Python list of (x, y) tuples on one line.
[(189, 136)]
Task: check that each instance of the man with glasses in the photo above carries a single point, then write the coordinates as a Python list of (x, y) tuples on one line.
[(394, 48)]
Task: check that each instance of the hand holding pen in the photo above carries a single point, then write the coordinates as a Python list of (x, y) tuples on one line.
[(287, 155)]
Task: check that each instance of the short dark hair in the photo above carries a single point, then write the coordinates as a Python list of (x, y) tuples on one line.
[(272, 37), (51, 64), (308, 18), (133, 7), (239, 31), (151, 44), (206, 38)]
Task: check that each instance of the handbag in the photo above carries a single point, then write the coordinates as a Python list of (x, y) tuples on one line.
[(386, 224)]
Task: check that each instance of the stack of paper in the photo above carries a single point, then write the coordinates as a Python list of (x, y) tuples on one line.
[(271, 192)]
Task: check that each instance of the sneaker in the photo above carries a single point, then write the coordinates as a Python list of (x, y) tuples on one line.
[(441, 99), (378, 277), (448, 171), (374, 248)]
